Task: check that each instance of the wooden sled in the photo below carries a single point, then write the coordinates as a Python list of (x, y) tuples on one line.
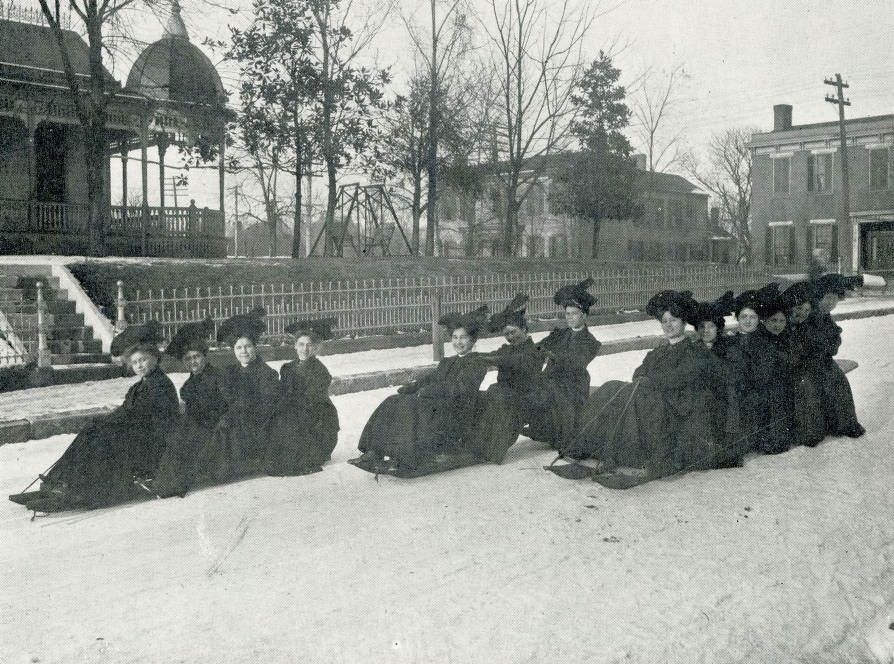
[(441, 465)]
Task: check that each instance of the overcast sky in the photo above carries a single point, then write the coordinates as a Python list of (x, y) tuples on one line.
[(740, 56)]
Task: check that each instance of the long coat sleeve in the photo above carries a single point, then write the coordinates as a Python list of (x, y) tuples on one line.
[(304, 427)]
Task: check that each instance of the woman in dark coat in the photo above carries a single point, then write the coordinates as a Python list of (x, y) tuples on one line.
[(304, 427), (250, 389), (519, 396), (113, 454), (204, 407), (758, 370), (431, 416), (565, 379), (834, 390), (663, 422)]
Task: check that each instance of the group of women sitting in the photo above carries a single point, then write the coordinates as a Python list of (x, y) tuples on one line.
[(696, 402), (237, 421)]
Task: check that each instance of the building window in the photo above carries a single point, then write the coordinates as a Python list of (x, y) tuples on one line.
[(878, 168), (558, 246), (819, 172), (822, 240), (781, 174), (781, 244)]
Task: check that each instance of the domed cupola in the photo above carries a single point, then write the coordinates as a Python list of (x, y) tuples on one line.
[(173, 69)]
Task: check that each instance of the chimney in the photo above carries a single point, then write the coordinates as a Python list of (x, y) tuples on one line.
[(715, 217), (640, 161), (782, 117)]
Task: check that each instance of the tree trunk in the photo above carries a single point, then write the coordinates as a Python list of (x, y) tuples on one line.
[(95, 138), (594, 251), (416, 209), (432, 160), (296, 222)]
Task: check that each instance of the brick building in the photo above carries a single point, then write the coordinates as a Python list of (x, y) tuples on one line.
[(674, 224), (796, 194)]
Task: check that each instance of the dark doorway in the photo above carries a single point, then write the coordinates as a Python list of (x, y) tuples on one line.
[(49, 148), (877, 246)]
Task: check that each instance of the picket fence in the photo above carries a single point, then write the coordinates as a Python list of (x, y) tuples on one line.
[(407, 305)]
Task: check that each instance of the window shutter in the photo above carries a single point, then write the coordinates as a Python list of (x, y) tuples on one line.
[(792, 245), (833, 251)]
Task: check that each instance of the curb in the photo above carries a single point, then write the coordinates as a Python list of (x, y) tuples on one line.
[(52, 424)]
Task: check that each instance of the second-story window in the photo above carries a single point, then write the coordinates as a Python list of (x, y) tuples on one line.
[(819, 172), (878, 168), (781, 174)]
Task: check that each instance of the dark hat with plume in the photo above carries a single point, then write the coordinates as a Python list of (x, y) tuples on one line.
[(319, 328), (192, 336), (714, 311), (576, 295), (471, 321), (837, 283), (512, 314), (679, 303), (146, 335), (250, 325)]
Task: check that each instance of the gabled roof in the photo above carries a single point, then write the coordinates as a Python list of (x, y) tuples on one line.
[(29, 52)]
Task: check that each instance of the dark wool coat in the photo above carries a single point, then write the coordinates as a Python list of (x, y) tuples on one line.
[(240, 436), (565, 384), (304, 428), (204, 407), (516, 399), (429, 416), (760, 370), (663, 421), (824, 403), (104, 457)]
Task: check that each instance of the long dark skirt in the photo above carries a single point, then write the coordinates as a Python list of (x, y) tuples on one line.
[(412, 429), (824, 405), (766, 418), (235, 449), (301, 441), (627, 424), (179, 466)]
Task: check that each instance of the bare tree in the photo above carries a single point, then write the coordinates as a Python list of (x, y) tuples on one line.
[(538, 58), (653, 105), (728, 178)]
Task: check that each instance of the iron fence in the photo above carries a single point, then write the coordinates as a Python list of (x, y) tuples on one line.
[(395, 306)]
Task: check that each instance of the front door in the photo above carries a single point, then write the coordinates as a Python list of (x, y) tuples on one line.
[(878, 247)]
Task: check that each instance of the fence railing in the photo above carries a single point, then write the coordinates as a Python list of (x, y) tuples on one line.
[(23, 333), (394, 306)]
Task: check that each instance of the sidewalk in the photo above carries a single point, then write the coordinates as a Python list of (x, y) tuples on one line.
[(41, 412)]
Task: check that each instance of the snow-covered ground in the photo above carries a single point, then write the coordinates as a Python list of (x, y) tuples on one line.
[(789, 559)]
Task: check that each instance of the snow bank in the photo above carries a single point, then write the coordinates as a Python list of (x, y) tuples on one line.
[(789, 559)]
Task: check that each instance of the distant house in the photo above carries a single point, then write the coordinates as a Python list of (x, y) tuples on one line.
[(173, 95), (674, 224), (796, 194)]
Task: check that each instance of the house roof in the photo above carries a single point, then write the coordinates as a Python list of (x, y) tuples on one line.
[(29, 52), (654, 181)]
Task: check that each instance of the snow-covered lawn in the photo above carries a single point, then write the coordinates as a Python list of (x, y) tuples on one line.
[(789, 559)]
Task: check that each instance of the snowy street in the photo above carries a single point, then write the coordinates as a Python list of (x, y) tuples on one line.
[(789, 559)]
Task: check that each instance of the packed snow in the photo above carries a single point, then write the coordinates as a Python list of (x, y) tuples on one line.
[(789, 559)]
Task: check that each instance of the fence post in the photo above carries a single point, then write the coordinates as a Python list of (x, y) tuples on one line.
[(120, 317), (437, 340), (43, 351)]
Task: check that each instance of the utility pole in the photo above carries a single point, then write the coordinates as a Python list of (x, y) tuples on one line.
[(236, 190), (845, 239)]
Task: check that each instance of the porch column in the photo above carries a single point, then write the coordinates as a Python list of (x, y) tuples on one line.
[(31, 128), (144, 172), (161, 141), (221, 161), (123, 147)]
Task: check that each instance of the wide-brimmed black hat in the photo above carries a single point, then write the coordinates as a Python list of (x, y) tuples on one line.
[(146, 334), (770, 301), (714, 311), (798, 293), (319, 328), (680, 304), (471, 321), (250, 325), (837, 283), (576, 295), (192, 336), (513, 314), (749, 299)]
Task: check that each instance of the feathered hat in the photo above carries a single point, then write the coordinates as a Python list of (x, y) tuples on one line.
[(680, 304), (714, 311), (576, 295), (512, 314), (770, 301), (192, 336), (837, 283), (798, 293), (319, 328), (250, 325), (471, 321), (142, 334)]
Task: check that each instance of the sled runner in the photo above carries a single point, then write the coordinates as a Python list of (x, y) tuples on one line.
[(846, 365), (440, 464)]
